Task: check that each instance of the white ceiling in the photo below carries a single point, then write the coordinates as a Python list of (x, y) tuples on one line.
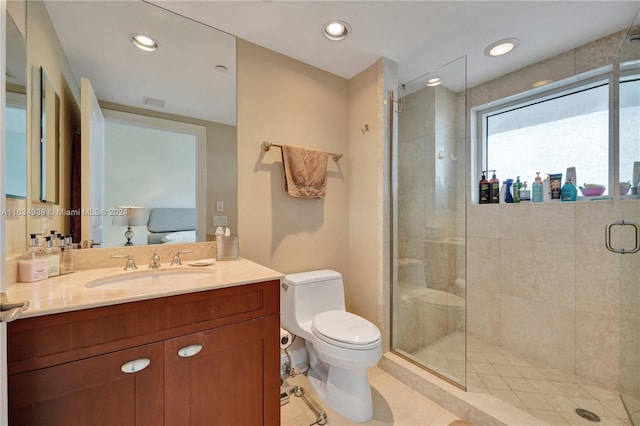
[(419, 35)]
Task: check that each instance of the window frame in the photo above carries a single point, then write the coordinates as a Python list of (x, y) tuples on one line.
[(574, 84)]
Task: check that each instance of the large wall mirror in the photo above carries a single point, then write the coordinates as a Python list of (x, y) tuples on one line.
[(189, 79)]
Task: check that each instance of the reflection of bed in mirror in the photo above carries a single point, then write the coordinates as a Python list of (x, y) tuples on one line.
[(168, 225)]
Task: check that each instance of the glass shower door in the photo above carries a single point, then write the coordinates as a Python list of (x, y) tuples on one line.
[(629, 211), (428, 292)]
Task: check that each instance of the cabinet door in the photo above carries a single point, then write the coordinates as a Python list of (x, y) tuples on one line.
[(224, 376), (92, 391)]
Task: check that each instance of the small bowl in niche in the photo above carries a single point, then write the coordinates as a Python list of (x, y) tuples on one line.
[(592, 191), (624, 188)]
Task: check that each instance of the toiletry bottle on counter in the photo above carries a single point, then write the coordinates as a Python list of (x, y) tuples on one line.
[(483, 187), (494, 188), (66, 259), (568, 191), (32, 267), (52, 254), (536, 189), (516, 190)]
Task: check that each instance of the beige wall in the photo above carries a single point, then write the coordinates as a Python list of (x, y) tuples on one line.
[(539, 279), (368, 186), (287, 102)]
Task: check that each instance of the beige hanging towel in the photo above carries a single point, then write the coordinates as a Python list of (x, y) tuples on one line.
[(305, 171)]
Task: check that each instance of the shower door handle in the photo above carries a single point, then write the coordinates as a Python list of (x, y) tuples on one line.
[(607, 237)]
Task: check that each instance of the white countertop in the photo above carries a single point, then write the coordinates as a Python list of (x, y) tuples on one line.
[(68, 292)]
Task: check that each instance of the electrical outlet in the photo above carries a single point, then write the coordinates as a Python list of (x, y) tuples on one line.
[(220, 206), (219, 221)]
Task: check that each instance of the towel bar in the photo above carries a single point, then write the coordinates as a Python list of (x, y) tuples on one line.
[(267, 145)]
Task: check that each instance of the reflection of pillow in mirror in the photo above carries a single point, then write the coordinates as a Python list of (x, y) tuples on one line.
[(180, 237)]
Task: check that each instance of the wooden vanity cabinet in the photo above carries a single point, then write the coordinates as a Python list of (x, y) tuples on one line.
[(205, 358)]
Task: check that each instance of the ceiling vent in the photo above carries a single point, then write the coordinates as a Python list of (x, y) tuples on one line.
[(154, 102)]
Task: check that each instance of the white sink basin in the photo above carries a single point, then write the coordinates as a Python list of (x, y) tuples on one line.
[(150, 277)]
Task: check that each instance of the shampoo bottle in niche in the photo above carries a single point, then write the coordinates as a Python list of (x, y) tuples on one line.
[(32, 267), (546, 188), (483, 187), (537, 189), (494, 188), (568, 191)]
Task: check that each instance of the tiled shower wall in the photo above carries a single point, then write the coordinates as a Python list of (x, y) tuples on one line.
[(431, 161), (540, 281)]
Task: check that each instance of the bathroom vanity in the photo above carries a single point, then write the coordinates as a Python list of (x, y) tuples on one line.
[(206, 352)]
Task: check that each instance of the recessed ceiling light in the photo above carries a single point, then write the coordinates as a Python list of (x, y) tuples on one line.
[(501, 47), (336, 30), (432, 82), (144, 42)]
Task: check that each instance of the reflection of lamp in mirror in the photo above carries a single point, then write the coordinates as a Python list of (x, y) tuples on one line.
[(129, 216)]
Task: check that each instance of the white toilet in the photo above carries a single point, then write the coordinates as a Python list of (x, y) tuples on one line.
[(342, 346)]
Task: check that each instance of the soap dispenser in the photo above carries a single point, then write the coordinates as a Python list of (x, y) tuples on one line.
[(525, 192), (32, 267), (494, 188), (483, 187), (536, 189)]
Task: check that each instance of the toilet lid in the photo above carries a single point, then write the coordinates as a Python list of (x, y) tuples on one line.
[(342, 326)]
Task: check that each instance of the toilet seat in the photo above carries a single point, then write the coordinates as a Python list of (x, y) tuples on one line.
[(346, 330)]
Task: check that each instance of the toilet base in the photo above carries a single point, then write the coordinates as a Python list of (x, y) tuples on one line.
[(346, 392)]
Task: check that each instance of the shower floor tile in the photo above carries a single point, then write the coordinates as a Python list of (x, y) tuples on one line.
[(547, 393)]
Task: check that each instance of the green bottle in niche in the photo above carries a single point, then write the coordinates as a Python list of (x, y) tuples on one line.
[(516, 190)]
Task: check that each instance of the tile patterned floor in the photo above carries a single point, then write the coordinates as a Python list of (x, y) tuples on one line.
[(393, 404), (547, 393)]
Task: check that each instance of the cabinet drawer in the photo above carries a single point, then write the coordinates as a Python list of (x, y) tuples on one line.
[(48, 340)]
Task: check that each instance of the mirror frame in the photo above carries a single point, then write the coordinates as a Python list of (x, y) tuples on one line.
[(45, 143)]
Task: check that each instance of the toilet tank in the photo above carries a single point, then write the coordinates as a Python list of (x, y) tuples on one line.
[(306, 294)]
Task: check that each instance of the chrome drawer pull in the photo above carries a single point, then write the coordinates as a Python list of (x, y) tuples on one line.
[(189, 351), (135, 365)]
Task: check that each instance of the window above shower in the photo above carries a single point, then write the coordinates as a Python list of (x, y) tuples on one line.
[(561, 125)]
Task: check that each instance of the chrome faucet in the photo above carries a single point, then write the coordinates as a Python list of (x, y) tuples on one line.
[(155, 261), (176, 257), (130, 265)]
